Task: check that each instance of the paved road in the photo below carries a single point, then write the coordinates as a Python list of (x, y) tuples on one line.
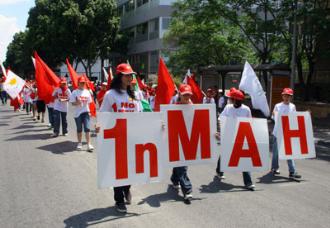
[(44, 182)]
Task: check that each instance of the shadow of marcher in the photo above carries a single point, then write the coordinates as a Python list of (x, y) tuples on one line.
[(3, 124), (96, 216), (270, 178), (60, 147), (216, 186), (171, 195), (24, 126), (30, 137), (30, 130)]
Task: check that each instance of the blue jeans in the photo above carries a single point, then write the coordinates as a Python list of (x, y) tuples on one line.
[(51, 115), (275, 165), (179, 176), (83, 120), (246, 175), (3, 97), (58, 116)]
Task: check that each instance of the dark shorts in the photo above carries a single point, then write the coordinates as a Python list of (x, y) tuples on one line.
[(41, 107), (83, 121)]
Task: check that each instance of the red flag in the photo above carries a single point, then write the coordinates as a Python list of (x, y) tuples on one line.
[(140, 83), (46, 80), (197, 97), (55, 81), (92, 108), (73, 75), (165, 88)]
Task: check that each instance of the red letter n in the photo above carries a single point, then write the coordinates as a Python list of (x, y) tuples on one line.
[(119, 133), (245, 132), (200, 132), (299, 133), (139, 158)]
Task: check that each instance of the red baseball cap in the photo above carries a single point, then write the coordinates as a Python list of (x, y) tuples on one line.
[(81, 79), (287, 91), (125, 69), (236, 94), (185, 89), (104, 84)]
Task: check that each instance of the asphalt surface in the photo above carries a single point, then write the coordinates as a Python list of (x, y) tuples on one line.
[(45, 182)]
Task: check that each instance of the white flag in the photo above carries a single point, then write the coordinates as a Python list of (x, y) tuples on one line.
[(34, 62), (13, 84), (251, 85), (188, 74), (3, 69), (106, 75)]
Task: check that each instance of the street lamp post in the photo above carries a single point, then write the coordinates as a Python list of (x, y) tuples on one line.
[(294, 46)]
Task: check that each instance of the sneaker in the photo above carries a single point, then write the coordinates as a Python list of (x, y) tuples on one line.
[(38, 117), (176, 186), (79, 146), (276, 172), (120, 207), (65, 134), (251, 187), (90, 148), (128, 197), (221, 176), (188, 196), (54, 135), (294, 175)]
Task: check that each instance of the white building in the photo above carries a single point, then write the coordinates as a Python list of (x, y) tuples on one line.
[(146, 21)]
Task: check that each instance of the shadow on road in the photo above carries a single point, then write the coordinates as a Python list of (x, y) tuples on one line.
[(24, 126), (171, 195), (323, 150), (269, 178), (60, 147), (30, 137), (216, 186), (3, 124), (96, 216), (30, 130)]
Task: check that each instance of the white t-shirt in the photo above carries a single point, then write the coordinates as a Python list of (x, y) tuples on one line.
[(50, 105), (282, 109), (221, 102), (61, 102), (27, 95), (207, 100), (85, 97), (231, 111), (119, 102)]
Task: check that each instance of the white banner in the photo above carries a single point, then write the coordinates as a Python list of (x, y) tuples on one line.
[(126, 146), (294, 134), (190, 130), (13, 84), (244, 144)]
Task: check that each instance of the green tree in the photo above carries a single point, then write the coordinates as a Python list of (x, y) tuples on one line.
[(80, 29), (18, 56), (202, 38)]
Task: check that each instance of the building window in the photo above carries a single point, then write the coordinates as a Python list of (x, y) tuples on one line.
[(121, 10), (142, 32), (166, 23), (141, 2), (154, 29), (154, 58), (129, 6)]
